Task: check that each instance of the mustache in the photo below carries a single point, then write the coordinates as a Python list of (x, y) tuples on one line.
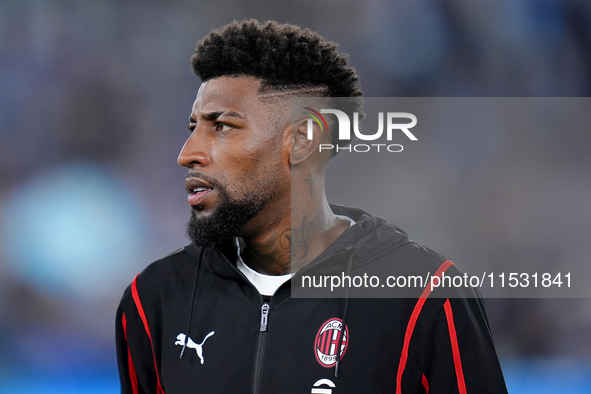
[(196, 174)]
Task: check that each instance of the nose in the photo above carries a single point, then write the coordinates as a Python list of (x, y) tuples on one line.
[(193, 152)]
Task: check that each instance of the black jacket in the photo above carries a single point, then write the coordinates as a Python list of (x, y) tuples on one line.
[(236, 342)]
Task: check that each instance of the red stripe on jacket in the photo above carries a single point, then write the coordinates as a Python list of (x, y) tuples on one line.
[(454, 347), (413, 321), (132, 373), (140, 308), (425, 383)]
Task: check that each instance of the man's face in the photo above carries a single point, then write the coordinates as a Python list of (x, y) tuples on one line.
[(238, 175)]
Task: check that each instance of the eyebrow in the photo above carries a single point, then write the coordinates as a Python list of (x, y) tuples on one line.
[(216, 114)]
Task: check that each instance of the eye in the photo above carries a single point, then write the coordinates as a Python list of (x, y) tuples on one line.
[(192, 125), (223, 127)]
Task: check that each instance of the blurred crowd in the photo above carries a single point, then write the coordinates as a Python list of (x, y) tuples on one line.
[(94, 102)]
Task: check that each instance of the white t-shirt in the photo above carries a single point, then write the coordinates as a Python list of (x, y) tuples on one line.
[(267, 285)]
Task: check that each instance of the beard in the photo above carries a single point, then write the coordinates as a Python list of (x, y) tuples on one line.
[(227, 220)]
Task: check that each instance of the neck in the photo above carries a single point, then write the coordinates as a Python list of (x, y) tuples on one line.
[(299, 237)]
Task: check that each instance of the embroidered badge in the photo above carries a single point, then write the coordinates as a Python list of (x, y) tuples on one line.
[(327, 340)]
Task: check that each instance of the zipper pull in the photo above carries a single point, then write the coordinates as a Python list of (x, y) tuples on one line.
[(264, 316)]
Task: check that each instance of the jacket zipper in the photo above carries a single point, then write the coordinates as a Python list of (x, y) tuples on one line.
[(260, 347), (258, 366)]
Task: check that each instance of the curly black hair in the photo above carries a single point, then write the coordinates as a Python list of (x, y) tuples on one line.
[(279, 54), (283, 56)]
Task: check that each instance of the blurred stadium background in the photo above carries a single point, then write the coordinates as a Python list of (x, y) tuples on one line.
[(94, 101)]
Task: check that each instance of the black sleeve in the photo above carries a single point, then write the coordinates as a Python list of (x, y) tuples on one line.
[(135, 358), (461, 355)]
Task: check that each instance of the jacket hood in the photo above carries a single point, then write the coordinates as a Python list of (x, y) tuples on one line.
[(370, 237)]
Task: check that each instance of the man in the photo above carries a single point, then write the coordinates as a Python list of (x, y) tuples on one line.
[(218, 316)]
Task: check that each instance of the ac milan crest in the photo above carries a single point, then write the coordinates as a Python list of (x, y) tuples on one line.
[(327, 340)]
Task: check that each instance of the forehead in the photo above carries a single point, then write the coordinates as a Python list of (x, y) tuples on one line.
[(239, 94)]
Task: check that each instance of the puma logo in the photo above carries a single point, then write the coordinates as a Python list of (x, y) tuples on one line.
[(183, 340)]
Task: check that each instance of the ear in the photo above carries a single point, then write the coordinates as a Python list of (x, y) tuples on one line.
[(304, 142)]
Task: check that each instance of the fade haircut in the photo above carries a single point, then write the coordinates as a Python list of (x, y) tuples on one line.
[(287, 59)]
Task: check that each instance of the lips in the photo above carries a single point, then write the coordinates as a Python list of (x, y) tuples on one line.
[(197, 189)]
